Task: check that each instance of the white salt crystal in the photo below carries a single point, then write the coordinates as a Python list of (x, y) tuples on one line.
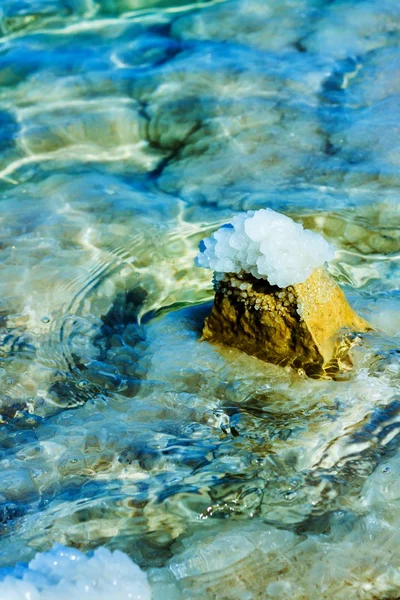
[(266, 244), (65, 573)]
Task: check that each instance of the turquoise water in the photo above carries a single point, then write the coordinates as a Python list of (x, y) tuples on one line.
[(130, 129)]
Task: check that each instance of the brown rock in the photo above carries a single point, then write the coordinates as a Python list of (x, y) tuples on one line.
[(302, 325)]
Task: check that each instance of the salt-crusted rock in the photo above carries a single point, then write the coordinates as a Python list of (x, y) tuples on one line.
[(300, 325), (273, 296)]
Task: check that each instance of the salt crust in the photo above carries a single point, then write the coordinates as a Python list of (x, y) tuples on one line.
[(266, 244), (66, 573)]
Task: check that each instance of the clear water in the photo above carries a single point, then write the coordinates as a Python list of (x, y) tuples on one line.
[(129, 130)]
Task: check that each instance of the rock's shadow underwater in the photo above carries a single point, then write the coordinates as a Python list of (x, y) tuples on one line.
[(129, 132)]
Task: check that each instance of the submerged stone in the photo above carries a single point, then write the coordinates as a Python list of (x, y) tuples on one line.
[(301, 325)]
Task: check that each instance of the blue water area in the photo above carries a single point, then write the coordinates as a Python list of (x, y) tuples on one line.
[(129, 131)]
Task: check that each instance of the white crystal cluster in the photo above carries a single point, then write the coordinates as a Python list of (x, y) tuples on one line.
[(64, 573), (266, 244)]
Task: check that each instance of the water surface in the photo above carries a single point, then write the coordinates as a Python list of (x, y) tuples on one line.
[(130, 129)]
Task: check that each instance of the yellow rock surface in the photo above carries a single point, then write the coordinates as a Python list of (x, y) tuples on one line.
[(302, 325)]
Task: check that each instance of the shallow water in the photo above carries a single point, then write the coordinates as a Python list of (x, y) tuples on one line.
[(130, 129)]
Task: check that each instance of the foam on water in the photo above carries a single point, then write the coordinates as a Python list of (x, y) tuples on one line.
[(266, 244)]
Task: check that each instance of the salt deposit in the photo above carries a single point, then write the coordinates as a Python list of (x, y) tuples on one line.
[(65, 573), (266, 244)]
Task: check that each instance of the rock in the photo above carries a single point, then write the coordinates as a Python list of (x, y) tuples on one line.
[(303, 325)]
